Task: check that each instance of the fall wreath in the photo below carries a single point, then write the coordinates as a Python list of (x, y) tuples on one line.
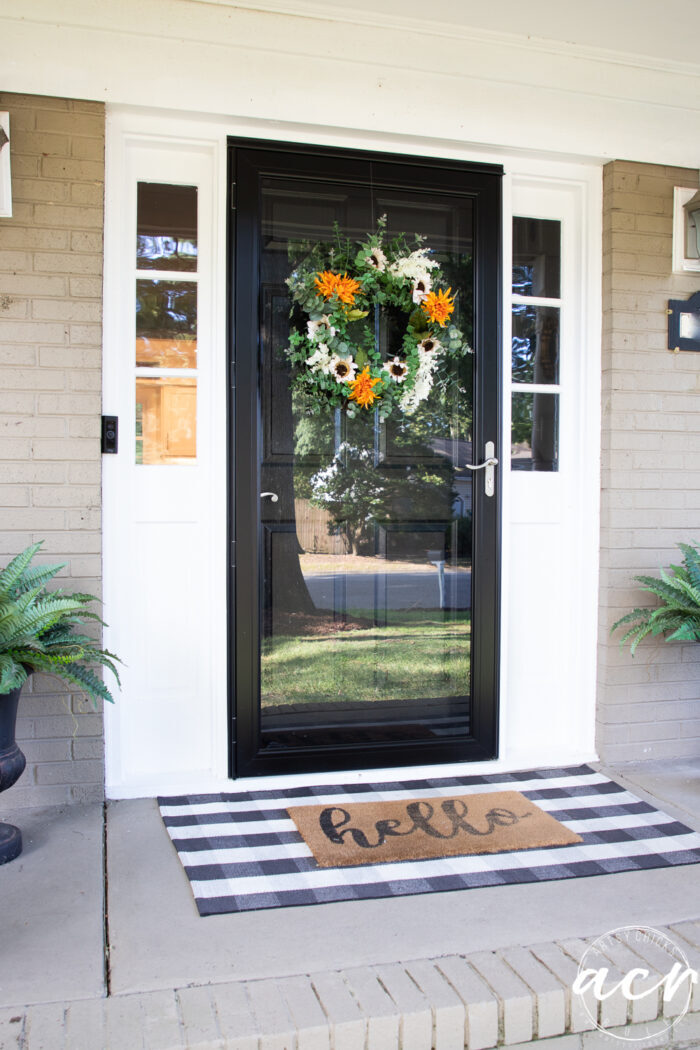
[(338, 293)]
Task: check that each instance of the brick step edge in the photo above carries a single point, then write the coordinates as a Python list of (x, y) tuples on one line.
[(510, 997)]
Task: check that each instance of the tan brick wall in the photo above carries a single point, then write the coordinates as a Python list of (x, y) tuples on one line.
[(50, 403), (649, 706)]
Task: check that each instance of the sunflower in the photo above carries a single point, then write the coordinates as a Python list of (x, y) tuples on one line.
[(421, 287), (321, 328), (430, 345), (397, 369), (377, 259), (363, 389), (342, 369), (438, 306)]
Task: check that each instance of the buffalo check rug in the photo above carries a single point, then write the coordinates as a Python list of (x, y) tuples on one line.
[(242, 851)]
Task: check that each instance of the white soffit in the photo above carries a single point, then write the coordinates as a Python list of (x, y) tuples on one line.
[(637, 32), (452, 71)]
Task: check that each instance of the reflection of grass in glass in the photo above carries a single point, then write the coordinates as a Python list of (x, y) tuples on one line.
[(417, 655)]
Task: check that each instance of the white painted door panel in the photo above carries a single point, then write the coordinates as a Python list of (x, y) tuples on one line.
[(165, 522)]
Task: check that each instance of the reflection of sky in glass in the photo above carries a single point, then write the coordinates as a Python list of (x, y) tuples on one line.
[(523, 345), (166, 227), (522, 280), (166, 253)]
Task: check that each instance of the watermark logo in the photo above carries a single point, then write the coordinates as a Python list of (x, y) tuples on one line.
[(620, 964)]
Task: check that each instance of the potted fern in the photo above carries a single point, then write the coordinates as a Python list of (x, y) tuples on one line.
[(678, 616), (40, 631)]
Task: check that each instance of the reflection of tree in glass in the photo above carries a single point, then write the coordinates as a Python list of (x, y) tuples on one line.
[(166, 310), (360, 494), (523, 343), (521, 419), (535, 344)]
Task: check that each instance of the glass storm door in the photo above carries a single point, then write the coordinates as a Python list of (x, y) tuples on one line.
[(364, 583)]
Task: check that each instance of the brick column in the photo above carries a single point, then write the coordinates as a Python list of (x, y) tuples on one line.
[(649, 706), (50, 403)]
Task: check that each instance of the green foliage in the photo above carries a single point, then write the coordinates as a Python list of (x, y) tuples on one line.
[(521, 419), (40, 630), (419, 653), (379, 322), (678, 617)]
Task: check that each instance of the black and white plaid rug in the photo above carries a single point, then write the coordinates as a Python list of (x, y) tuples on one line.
[(242, 852)]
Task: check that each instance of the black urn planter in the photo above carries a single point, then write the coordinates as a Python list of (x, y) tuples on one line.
[(12, 763)]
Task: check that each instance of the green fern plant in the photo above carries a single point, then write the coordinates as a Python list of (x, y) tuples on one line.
[(41, 630), (678, 617)]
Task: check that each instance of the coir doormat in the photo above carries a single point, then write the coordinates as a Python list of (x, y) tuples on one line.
[(243, 851), (421, 828)]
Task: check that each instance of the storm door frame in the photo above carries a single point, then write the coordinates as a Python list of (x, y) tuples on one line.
[(248, 161)]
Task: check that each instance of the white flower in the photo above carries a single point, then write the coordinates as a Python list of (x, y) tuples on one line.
[(421, 287), (427, 364), (421, 390), (342, 369), (414, 267), (397, 369), (377, 259), (321, 328), (320, 360)]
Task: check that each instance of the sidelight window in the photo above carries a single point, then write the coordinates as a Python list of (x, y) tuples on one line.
[(535, 368), (166, 324)]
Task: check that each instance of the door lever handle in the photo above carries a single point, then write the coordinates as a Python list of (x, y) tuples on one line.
[(273, 496), (488, 467), (490, 462)]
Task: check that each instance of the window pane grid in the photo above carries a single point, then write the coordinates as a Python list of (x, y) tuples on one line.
[(535, 344), (169, 275), (527, 388)]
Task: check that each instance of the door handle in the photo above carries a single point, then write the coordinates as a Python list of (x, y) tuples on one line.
[(273, 496), (488, 467)]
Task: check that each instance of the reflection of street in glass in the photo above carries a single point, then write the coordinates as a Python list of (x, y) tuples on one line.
[(320, 564), (414, 588), (418, 654)]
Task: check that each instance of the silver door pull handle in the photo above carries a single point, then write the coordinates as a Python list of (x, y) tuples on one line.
[(273, 496), (490, 462), (487, 466)]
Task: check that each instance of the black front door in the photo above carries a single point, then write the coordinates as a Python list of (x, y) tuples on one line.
[(364, 582)]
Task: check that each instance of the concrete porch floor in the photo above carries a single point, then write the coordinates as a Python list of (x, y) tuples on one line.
[(98, 905)]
